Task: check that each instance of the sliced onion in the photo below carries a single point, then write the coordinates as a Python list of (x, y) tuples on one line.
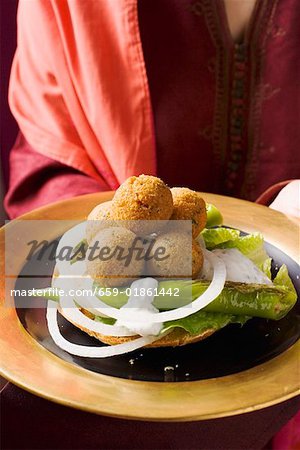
[(68, 282), (214, 289), (71, 238), (86, 304), (91, 352), (212, 292), (71, 312)]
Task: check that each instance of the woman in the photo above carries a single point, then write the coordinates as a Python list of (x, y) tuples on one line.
[(108, 89), (202, 93)]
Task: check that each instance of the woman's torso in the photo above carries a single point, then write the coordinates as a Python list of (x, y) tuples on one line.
[(226, 115)]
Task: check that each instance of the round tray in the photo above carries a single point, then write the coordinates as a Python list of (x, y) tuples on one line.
[(31, 366)]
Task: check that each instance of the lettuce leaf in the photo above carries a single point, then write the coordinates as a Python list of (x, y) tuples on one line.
[(265, 267), (251, 245), (283, 279), (202, 321), (196, 323), (216, 236)]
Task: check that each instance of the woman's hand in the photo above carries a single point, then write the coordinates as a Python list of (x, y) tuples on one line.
[(288, 199)]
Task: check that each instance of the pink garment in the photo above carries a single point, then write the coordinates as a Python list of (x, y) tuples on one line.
[(103, 129), (288, 437), (36, 180)]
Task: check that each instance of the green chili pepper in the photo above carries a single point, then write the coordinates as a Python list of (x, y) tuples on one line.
[(214, 217)]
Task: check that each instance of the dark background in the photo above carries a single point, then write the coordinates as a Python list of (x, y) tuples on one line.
[(8, 132), (8, 126)]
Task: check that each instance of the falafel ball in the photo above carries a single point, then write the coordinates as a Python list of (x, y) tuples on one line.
[(176, 260), (108, 264), (189, 205), (98, 219), (145, 198)]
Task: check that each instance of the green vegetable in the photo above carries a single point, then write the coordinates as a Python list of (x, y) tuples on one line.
[(216, 236), (283, 279), (202, 321), (196, 323), (265, 267), (214, 217), (79, 251), (266, 301), (237, 302), (251, 245), (106, 320), (239, 299)]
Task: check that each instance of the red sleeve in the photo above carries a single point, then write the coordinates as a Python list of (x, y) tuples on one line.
[(36, 180), (269, 195)]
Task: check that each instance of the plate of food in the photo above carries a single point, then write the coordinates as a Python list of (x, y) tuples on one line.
[(159, 304)]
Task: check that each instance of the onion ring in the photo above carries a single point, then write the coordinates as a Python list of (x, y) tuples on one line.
[(91, 352), (214, 289)]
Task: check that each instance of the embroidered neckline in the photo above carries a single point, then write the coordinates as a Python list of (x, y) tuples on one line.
[(235, 83)]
